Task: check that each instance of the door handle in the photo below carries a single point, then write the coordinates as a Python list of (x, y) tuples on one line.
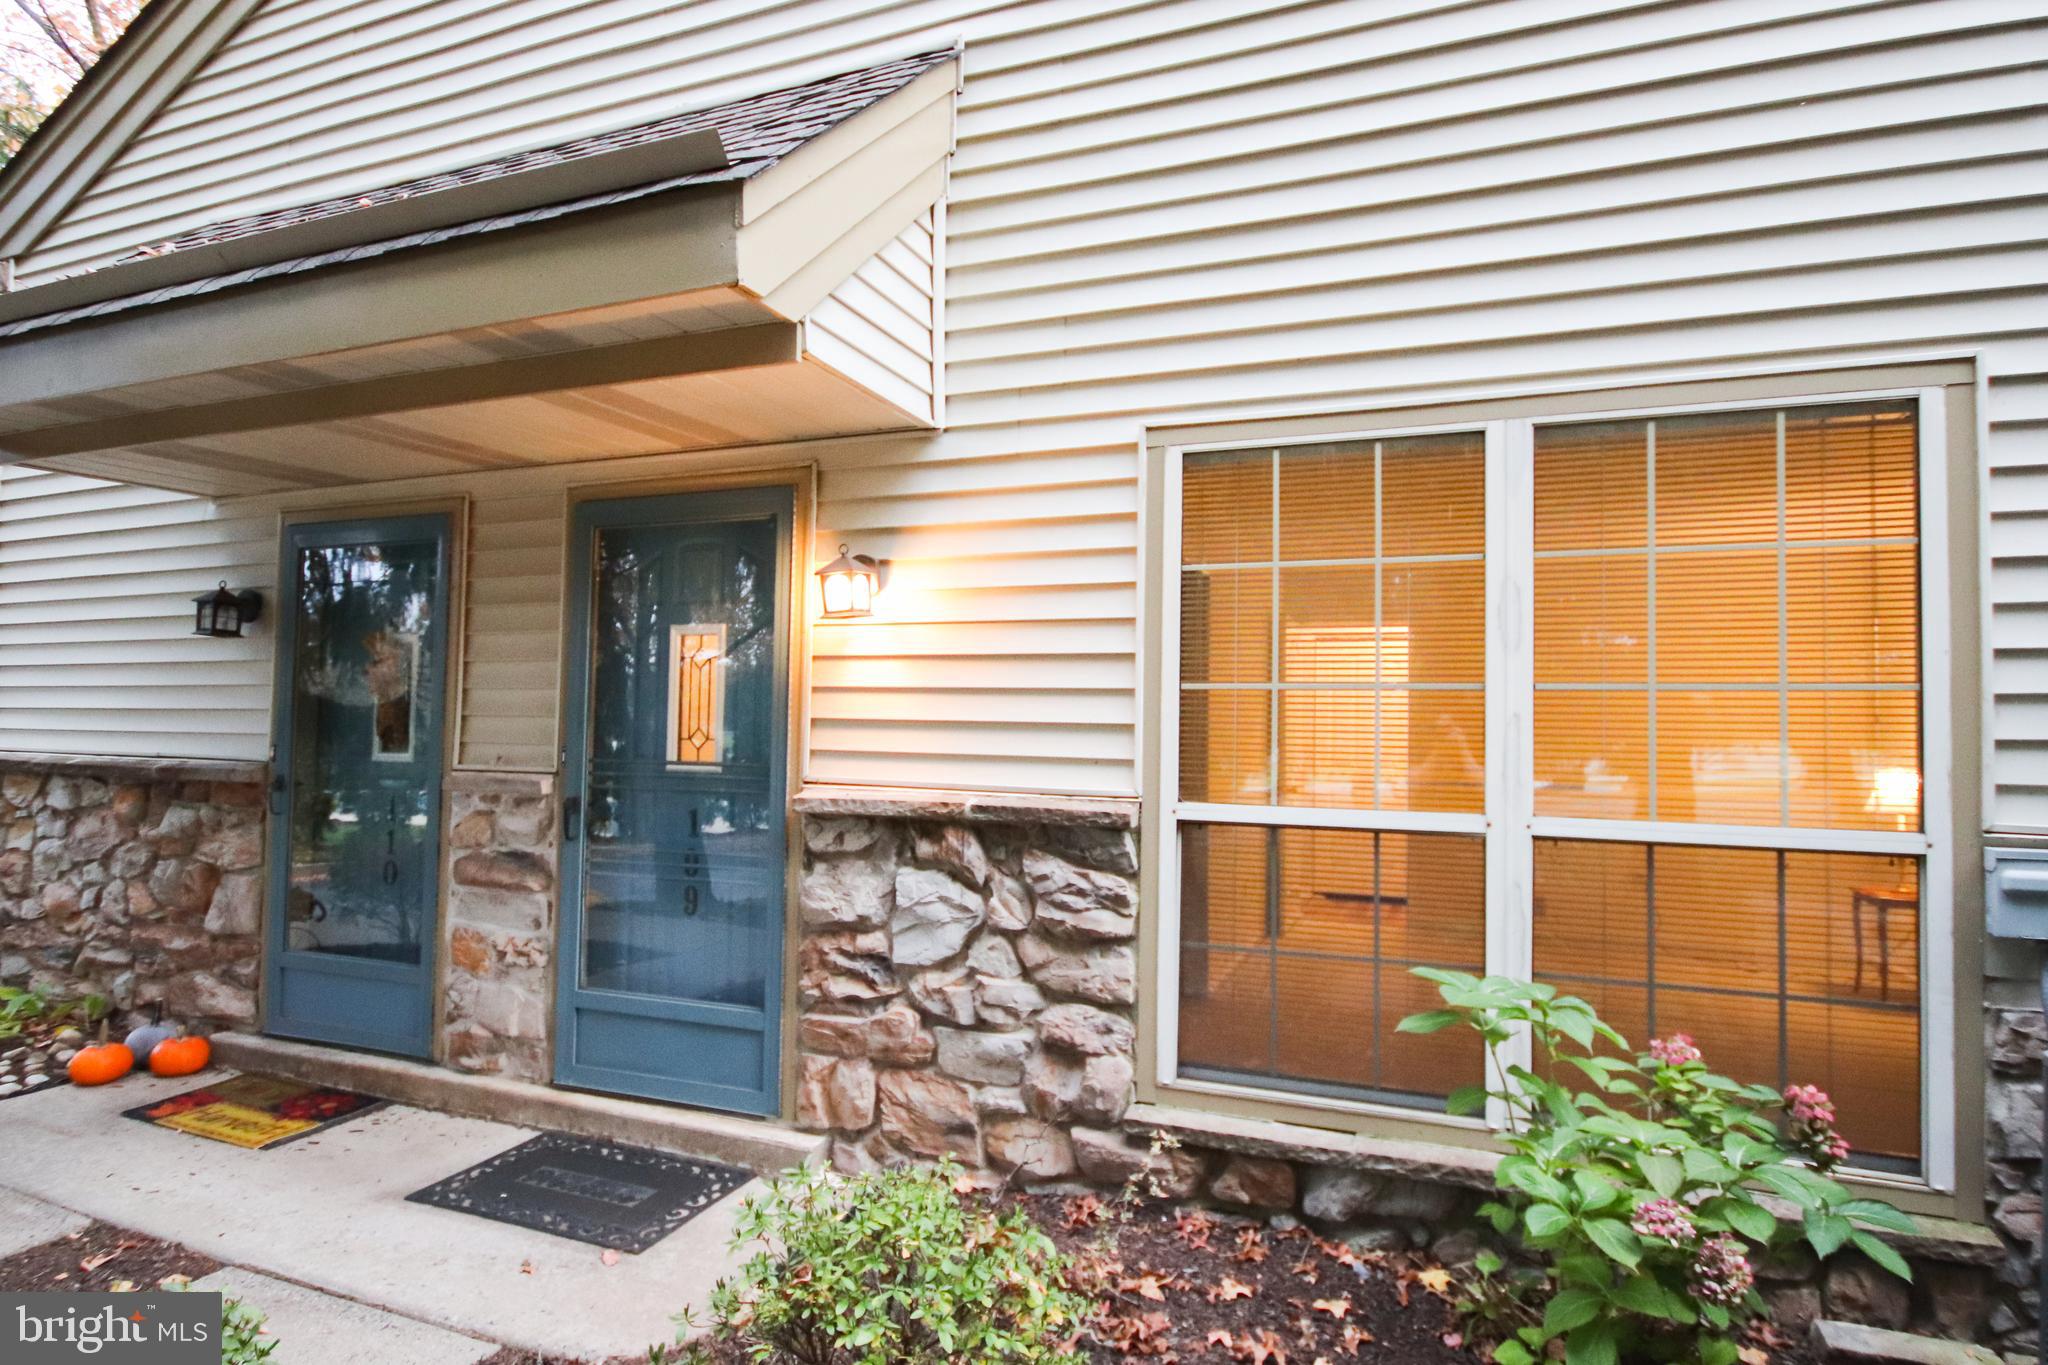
[(572, 818), (277, 790)]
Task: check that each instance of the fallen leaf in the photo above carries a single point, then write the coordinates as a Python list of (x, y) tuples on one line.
[(1251, 1247), (1306, 1268), (1355, 1337), (121, 1287), (1336, 1308), (526, 1267), (1084, 1211), (1752, 1355), (1144, 1286), (1194, 1229), (1265, 1349), (92, 1263), (1231, 1289)]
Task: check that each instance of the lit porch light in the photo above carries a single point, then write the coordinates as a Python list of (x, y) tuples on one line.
[(849, 584)]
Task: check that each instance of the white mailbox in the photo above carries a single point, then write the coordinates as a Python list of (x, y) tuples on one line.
[(2016, 892)]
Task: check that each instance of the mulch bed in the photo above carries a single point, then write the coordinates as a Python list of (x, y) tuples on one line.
[(102, 1257), (1188, 1286)]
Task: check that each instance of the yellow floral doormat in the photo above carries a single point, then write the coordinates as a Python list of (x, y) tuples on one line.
[(254, 1111)]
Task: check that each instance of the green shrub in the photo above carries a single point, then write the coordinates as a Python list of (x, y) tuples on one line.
[(893, 1268), (242, 1339), (1639, 1197)]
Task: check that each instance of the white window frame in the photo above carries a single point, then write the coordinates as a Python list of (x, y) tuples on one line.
[(1507, 820)]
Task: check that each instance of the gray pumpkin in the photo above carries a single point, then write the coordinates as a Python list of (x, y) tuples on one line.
[(141, 1040)]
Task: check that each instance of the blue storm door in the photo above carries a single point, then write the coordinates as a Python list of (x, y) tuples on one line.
[(355, 796), (674, 794)]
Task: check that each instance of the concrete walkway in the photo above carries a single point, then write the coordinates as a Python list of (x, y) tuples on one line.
[(328, 1212)]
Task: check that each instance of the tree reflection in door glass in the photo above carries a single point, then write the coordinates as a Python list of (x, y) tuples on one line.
[(684, 869), (363, 702)]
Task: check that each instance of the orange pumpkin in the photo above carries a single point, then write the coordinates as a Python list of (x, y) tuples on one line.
[(180, 1056), (98, 1063)]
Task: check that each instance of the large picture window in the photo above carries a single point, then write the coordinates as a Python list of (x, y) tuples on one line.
[(1632, 703)]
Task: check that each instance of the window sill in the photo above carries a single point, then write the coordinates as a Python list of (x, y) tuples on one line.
[(1437, 1163)]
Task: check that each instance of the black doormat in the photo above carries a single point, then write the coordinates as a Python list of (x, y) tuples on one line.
[(624, 1198)]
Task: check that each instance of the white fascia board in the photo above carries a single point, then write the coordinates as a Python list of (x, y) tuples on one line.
[(802, 235)]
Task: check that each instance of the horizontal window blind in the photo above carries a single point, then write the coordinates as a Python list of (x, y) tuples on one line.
[(1332, 656), (1726, 612)]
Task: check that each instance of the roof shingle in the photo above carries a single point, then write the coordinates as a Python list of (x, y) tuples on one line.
[(755, 132)]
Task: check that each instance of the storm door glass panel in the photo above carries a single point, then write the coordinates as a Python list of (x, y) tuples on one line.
[(683, 886), (365, 755)]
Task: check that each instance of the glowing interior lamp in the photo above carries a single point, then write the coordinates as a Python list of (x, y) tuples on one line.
[(1895, 792), (849, 583)]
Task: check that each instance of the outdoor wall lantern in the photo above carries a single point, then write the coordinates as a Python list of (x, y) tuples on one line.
[(850, 583), (222, 614)]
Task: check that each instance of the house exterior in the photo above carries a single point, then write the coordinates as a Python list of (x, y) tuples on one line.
[(1544, 487)]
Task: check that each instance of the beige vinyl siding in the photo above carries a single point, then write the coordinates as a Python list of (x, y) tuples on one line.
[(880, 328), (1172, 210), (2017, 543), (97, 654)]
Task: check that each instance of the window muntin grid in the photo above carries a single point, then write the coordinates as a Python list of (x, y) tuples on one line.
[(1811, 521), (1333, 625)]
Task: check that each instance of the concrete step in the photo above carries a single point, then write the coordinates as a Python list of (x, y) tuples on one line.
[(312, 1328), (762, 1147)]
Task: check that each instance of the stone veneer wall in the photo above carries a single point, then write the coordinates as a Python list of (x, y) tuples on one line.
[(139, 882), (498, 954), (2013, 1048), (966, 991)]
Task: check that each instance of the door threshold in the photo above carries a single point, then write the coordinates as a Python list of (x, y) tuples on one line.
[(758, 1145)]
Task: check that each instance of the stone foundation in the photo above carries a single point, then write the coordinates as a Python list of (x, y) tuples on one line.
[(139, 882), (2013, 1045), (967, 979), (500, 925), (966, 989)]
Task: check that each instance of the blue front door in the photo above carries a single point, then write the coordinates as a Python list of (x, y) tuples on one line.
[(674, 793), (355, 795)]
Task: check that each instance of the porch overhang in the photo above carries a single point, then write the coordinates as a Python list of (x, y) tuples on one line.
[(655, 296)]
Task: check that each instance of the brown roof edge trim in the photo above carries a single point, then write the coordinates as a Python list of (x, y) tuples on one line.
[(599, 173)]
